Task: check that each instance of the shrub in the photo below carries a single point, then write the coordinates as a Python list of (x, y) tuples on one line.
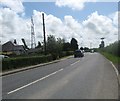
[(69, 53), (13, 63)]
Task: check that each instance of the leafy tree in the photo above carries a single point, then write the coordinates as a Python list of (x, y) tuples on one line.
[(86, 49), (81, 48), (39, 45), (51, 44), (74, 44), (102, 44), (119, 48), (66, 46), (59, 44)]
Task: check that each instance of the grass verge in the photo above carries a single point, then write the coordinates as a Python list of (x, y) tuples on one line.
[(111, 57)]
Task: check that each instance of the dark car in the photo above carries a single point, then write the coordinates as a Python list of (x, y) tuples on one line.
[(78, 53)]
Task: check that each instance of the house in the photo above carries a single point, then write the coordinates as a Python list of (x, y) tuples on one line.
[(12, 48)]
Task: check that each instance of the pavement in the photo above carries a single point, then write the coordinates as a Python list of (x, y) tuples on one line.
[(90, 77)]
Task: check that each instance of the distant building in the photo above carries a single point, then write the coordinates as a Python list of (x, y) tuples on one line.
[(12, 48)]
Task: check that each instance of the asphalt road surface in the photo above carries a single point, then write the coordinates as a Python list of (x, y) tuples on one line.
[(90, 77)]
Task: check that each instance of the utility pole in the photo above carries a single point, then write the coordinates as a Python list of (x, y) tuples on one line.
[(44, 34)]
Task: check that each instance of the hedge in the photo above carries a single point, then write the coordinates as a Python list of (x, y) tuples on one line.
[(14, 63), (61, 54)]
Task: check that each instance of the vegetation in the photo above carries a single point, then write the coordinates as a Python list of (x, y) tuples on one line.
[(59, 48), (74, 44), (112, 52), (113, 49), (111, 57), (56, 48), (13, 63)]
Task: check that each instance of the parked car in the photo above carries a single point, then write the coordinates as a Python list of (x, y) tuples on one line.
[(3, 56), (78, 53)]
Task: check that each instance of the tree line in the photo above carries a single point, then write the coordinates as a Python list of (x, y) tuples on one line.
[(56, 46)]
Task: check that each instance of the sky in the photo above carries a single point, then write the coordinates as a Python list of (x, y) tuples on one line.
[(85, 20)]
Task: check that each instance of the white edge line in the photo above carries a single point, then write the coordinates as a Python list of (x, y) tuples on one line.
[(117, 73), (34, 82), (75, 62), (115, 68)]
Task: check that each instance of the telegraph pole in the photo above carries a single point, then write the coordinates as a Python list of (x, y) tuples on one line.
[(44, 34)]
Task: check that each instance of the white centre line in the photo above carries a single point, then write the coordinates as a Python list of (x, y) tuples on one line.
[(34, 82), (75, 62)]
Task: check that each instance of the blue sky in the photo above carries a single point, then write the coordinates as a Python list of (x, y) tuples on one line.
[(103, 8)]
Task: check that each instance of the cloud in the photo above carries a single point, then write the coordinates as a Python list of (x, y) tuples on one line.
[(86, 32), (73, 4), (101, 26), (15, 5), (13, 26), (115, 16)]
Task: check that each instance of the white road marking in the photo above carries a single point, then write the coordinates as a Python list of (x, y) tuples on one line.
[(34, 82), (115, 68), (75, 62)]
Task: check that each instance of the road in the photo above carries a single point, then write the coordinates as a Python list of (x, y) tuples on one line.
[(90, 77)]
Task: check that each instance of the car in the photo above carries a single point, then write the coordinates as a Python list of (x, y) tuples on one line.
[(92, 51), (3, 56), (78, 53)]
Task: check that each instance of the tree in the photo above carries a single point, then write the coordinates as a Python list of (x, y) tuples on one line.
[(86, 49), (59, 45), (51, 44), (54, 46), (81, 48), (119, 48), (74, 44), (39, 45), (66, 46), (102, 45)]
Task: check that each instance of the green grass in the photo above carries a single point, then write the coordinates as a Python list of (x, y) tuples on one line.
[(111, 57)]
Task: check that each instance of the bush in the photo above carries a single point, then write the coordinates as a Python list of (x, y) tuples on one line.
[(62, 54), (54, 56), (13, 63), (69, 53)]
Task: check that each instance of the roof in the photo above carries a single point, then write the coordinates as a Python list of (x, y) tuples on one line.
[(9, 46)]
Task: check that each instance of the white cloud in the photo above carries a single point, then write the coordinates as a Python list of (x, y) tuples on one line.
[(115, 16), (74, 4), (100, 26), (86, 32), (15, 5), (13, 26)]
